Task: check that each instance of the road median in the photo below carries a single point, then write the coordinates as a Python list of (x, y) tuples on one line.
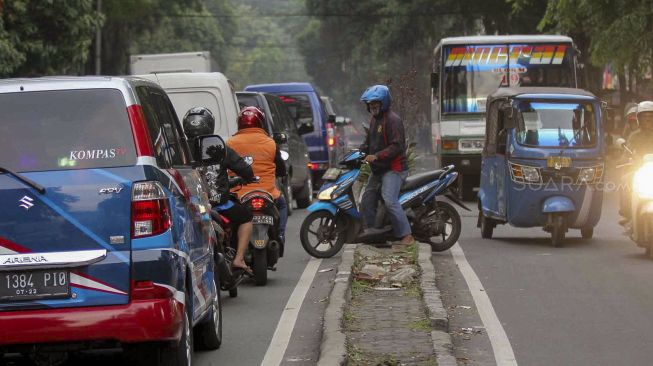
[(385, 309)]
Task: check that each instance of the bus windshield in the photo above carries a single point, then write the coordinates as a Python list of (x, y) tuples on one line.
[(472, 72)]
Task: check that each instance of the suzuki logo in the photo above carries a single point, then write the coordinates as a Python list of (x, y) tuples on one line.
[(26, 202)]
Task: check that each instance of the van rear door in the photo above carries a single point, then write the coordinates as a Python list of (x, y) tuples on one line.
[(70, 245)]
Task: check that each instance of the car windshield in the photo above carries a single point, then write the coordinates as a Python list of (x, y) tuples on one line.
[(299, 107), (65, 129), (557, 124)]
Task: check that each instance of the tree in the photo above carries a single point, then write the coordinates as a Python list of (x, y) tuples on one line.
[(45, 37)]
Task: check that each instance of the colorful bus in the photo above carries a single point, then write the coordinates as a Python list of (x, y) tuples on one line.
[(467, 69)]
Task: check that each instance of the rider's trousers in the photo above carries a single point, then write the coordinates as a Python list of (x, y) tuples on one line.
[(387, 187)]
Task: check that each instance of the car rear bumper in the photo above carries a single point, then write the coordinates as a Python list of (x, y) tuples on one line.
[(139, 321)]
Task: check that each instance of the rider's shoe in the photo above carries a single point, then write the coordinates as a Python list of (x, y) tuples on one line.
[(624, 221)]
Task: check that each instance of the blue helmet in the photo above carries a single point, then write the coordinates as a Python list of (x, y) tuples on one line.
[(378, 93)]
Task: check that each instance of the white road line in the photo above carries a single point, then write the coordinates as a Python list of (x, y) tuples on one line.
[(503, 353), (279, 343)]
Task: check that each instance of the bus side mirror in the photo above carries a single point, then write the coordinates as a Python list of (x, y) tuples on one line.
[(435, 80)]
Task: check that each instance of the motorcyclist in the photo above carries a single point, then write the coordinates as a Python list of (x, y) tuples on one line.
[(199, 121), (253, 142), (640, 143), (385, 146)]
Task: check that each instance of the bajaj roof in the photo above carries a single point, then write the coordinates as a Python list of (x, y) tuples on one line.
[(282, 87), (540, 92)]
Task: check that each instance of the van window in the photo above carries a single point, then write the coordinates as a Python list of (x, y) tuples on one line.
[(247, 101), (299, 104), (285, 121), (185, 100), (64, 130)]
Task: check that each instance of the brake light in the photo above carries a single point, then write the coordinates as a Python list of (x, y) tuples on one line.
[(150, 210), (331, 135), (258, 203), (139, 130), (148, 290), (317, 166)]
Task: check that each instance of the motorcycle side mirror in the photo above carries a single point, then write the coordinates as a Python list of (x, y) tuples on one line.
[(620, 142), (280, 137), (210, 150)]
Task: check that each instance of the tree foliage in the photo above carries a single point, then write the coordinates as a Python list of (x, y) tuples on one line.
[(45, 37)]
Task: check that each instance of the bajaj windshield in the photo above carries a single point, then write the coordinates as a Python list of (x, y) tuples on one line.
[(473, 72), (557, 124)]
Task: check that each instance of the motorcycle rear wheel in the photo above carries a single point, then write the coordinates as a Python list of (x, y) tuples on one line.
[(445, 211), (328, 233), (260, 267)]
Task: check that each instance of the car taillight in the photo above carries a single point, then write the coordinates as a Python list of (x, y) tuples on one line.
[(317, 166), (331, 135), (258, 203), (148, 290), (150, 210), (139, 130)]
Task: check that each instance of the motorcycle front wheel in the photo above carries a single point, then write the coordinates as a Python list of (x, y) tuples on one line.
[(443, 214), (321, 235)]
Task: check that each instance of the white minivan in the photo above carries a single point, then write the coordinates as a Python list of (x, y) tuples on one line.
[(202, 89)]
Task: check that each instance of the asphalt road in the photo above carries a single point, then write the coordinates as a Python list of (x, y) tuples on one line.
[(587, 303)]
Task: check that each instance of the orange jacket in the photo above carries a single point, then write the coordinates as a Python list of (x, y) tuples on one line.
[(254, 142)]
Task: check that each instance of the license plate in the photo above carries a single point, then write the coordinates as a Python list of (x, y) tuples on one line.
[(558, 162), (31, 285), (263, 219), (331, 174)]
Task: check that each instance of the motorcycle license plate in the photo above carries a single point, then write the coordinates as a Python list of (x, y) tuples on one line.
[(263, 219), (331, 174), (31, 285), (558, 162)]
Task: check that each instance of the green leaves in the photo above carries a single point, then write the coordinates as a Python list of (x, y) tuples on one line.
[(46, 37)]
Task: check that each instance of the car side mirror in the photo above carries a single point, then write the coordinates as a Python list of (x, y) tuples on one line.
[(210, 150), (306, 127), (280, 137)]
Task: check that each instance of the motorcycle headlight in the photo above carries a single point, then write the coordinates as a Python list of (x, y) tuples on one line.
[(325, 195), (642, 181)]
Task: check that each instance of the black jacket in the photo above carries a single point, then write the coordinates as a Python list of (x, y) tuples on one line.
[(218, 180), (386, 139)]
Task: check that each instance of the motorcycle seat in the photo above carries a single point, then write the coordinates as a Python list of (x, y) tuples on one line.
[(414, 181)]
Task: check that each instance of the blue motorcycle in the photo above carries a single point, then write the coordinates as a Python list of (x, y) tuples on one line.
[(335, 220)]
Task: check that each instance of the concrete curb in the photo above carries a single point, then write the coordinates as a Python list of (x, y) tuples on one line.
[(333, 350), (442, 343)]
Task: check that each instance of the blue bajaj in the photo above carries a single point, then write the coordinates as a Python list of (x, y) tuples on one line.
[(542, 162), (335, 220)]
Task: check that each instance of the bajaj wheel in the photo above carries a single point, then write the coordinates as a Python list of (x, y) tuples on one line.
[(558, 230), (260, 267), (487, 226), (320, 234), (587, 232), (209, 333), (443, 214)]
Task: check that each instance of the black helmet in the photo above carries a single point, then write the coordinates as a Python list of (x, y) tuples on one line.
[(198, 121)]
